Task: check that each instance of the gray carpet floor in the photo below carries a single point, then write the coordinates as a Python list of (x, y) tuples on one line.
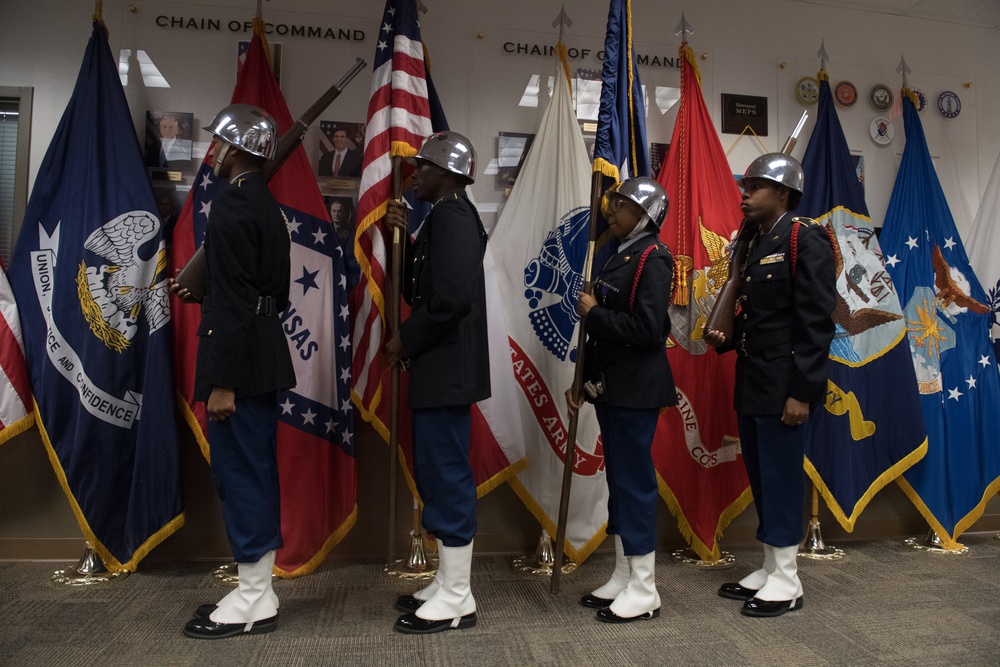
[(884, 604)]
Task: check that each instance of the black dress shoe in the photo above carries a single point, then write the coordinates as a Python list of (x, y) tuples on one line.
[(755, 607), (411, 624), (206, 628), (205, 610), (609, 616), (595, 602), (736, 592), (407, 604)]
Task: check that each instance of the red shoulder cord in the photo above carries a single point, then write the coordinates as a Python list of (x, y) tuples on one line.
[(638, 272), (795, 246)]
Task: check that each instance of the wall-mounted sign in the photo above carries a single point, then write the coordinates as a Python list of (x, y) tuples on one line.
[(740, 111)]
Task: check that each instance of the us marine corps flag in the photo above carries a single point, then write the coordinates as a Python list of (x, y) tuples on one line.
[(868, 432), (89, 276), (317, 469), (539, 245), (696, 450), (947, 328)]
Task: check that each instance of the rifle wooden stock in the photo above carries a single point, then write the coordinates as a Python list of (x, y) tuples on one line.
[(192, 276), (723, 312)]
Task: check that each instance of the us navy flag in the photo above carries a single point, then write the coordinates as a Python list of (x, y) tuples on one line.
[(947, 325), (869, 430), (89, 276)]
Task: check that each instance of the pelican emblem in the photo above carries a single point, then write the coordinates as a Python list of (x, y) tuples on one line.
[(114, 295)]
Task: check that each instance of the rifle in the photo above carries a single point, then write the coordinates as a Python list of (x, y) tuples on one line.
[(724, 311), (192, 276)]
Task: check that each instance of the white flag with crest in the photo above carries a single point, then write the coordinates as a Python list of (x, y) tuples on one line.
[(984, 252), (539, 245)]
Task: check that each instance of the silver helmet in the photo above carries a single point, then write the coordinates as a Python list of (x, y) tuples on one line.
[(247, 128), (777, 167), (647, 193), (450, 151)]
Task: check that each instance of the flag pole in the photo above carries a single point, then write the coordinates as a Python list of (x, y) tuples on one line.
[(581, 340), (395, 294)]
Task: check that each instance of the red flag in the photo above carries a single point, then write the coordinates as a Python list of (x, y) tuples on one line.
[(696, 451), (16, 404), (399, 119), (316, 464)]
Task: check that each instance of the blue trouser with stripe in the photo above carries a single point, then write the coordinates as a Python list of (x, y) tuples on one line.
[(774, 454), (443, 473)]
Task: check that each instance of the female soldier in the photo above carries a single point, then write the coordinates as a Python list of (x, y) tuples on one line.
[(628, 379)]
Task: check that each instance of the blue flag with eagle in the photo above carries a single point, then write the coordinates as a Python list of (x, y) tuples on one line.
[(869, 431), (947, 326), (89, 276)]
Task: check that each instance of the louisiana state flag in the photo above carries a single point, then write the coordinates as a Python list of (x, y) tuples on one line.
[(947, 328), (696, 450), (869, 430), (89, 276), (317, 469)]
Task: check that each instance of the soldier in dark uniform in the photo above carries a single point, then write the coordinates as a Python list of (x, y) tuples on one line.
[(444, 343), (628, 379), (782, 334), (243, 361)]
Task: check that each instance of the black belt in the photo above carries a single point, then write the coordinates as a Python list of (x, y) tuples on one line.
[(749, 346), (266, 306)]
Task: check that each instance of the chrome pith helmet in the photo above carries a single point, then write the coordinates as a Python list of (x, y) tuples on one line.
[(777, 167), (647, 193), (247, 128), (450, 151)]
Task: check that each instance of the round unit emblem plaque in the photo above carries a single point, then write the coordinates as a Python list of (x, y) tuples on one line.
[(882, 130), (807, 90), (846, 94), (948, 104), (921, 99), (880, 97)]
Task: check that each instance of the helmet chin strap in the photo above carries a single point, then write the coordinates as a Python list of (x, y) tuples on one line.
[(639, 228), (220, 158)]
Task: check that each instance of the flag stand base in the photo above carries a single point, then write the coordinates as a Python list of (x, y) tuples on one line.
[(933, 544), (815, 548), (540, 563), (417, 565), (87, 572), (689, 557)]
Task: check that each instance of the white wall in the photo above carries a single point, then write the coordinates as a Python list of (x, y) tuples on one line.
[(42, 42)]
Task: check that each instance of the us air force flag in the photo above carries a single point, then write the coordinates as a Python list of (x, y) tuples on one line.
[(869, 431), (89, 276), (947, 326), (539, 246)]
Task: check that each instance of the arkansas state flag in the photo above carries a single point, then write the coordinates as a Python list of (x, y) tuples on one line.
[(89, 276), (17, 413), (984, 241), (869, 430), (317, 470), (948, 331), (697, 446), (539, 245)]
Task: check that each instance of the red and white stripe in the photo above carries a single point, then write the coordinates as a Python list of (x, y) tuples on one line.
[(398, 123), (16, 414)]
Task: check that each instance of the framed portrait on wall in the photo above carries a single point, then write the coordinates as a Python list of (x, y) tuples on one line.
[(341, 149), (512, 148), (168, 140)]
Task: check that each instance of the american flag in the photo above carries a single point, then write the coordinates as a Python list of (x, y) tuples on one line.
[(398, 122), (16, 411)]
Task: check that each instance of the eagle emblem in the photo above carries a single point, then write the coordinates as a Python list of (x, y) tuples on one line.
[(113, 296)]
